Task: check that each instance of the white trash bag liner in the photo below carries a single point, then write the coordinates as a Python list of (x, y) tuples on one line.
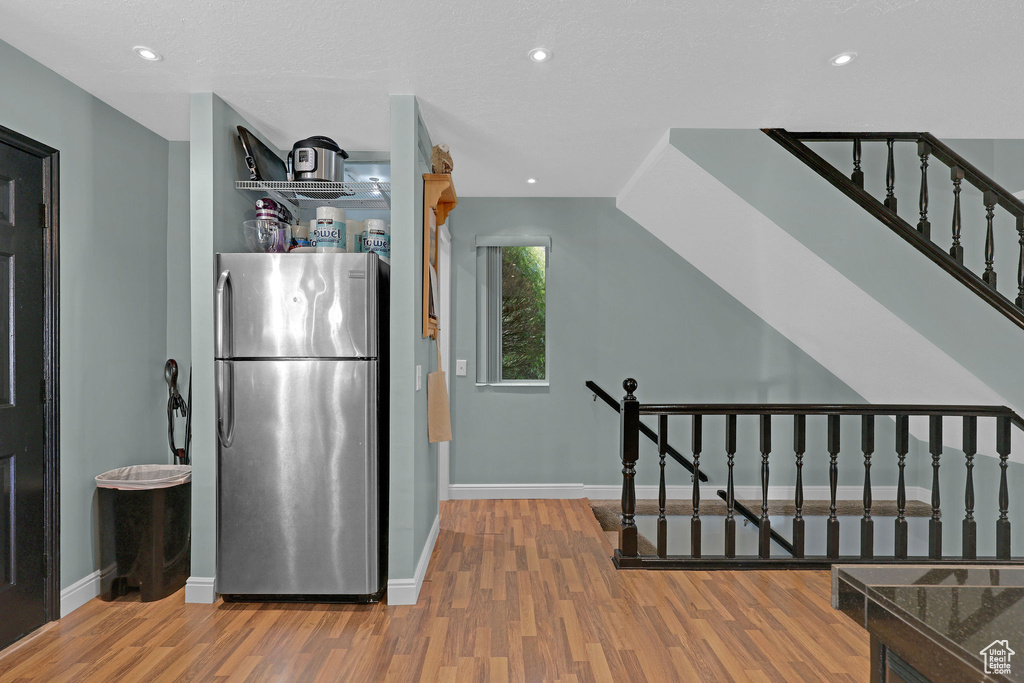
[(141, 477)]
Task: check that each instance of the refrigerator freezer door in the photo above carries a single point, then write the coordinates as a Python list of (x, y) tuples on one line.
[(296, 306), (298, 479)]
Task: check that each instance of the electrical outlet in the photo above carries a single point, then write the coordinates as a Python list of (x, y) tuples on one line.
[(419, 377), (460, 368)]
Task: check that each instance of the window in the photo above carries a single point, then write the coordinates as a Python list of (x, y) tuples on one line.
[(512, 310)]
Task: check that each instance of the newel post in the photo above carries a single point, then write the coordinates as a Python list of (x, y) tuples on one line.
[(629, 445)]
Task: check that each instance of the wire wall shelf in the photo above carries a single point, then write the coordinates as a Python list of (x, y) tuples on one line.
[(309, 194)]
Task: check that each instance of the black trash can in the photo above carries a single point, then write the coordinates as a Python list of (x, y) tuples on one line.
[(145, 530)]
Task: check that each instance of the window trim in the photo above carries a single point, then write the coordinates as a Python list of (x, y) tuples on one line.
[(488, 283)]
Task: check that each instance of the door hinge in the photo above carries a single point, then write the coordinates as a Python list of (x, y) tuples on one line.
[(47, 564), (42, 216), (42, 391)]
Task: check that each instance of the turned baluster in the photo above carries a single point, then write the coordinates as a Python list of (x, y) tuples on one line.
[(923, 226), (867, 525), (832, 526), (695, 520), (764, 524), (662, 451), (629, 448), (1003, 523), (858, 175), (989, 198), (935, 523), (1020, 263), (902, 448), (799, 446), (890, 178), (956, 174), (970, 527), (730, 494)]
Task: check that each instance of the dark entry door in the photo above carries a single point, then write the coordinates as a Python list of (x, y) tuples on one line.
[(22, 396)]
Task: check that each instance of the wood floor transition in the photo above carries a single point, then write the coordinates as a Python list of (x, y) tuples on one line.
[(516, 590)]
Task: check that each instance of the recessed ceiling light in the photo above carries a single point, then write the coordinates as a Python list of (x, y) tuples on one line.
[(843, 58), (148, 54), (531, 180), (540, 54)]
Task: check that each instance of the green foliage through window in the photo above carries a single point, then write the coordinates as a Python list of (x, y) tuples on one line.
[(523, 313)]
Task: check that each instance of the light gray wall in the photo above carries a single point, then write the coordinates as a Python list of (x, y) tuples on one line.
[(873, 257), (179, 342), (413, 504), (217, 210), (1009, 164), (620, 304), (113, 279)]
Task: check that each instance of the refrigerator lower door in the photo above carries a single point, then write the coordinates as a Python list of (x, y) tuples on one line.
[(297, 478)]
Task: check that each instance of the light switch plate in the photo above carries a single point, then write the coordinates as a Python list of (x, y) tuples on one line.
[(419, 377), (460, 368)]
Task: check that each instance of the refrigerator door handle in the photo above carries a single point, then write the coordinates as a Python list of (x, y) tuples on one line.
[(225, 381), (222, 320)]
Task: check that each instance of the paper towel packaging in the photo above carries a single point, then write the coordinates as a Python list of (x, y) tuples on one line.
[(329, 231), (376, 238)]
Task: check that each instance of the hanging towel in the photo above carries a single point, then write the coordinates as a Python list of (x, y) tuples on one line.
[(439, 422)]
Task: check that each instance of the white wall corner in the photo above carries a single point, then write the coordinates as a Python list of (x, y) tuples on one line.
[(652, 159), (79, 593), (407, 591), (201, 590)]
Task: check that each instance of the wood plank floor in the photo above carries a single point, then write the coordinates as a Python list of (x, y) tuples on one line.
[(516, 591)]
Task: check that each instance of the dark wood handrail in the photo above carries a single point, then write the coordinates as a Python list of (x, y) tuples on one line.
[(828, 409), (770, 450), (644, 429), (877, 209), (844, 137), (973, 175), (939, 149)]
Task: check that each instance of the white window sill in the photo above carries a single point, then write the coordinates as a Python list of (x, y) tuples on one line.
[(513, 384)]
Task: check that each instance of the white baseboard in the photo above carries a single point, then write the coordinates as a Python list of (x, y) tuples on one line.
[(79, 593), (676, 492), (201, 590), (514, 491), (407, 591)]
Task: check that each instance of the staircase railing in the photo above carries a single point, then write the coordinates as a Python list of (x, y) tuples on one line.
[(600, 393), (920, 236), (627, 555)]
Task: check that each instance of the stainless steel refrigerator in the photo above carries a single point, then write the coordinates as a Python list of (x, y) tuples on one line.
[(302, 422)]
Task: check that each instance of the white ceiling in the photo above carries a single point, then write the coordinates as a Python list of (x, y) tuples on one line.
[(623, 72)]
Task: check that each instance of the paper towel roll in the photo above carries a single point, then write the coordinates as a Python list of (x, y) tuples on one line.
[(331, 212), (352, 231)]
